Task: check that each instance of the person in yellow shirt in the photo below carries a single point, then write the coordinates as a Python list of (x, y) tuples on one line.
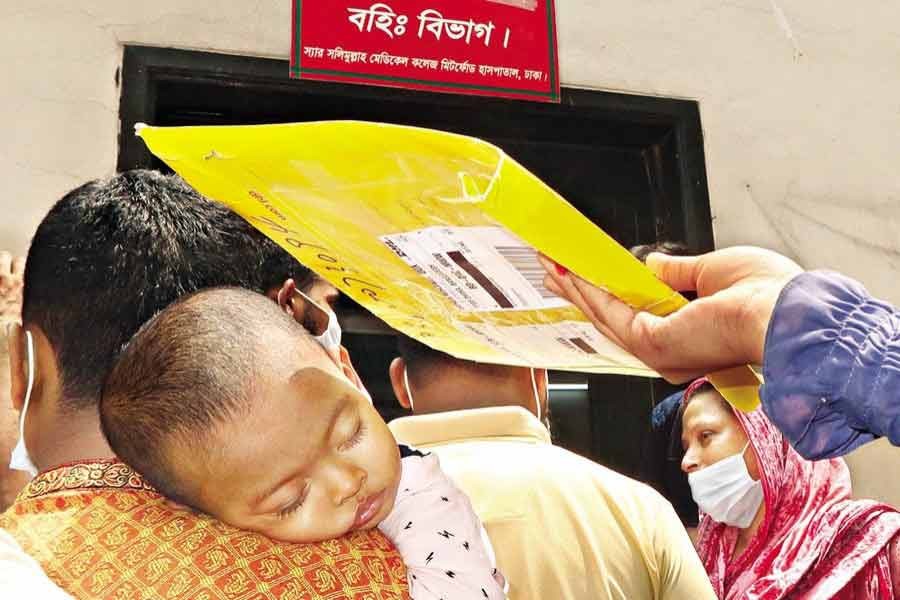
[(562, 526)]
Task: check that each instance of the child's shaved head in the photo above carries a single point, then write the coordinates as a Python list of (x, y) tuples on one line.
[(226, 404), (195, 366)]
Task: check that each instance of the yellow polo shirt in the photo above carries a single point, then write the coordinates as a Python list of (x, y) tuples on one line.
[(563, 527)]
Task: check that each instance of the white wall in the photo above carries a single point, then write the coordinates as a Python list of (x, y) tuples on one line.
[(800, 102)]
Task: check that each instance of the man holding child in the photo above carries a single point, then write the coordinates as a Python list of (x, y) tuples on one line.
[(107, 257)]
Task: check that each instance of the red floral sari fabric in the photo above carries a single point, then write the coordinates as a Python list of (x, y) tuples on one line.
[(814, 541)]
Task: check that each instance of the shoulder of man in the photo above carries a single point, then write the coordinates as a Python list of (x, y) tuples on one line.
[(601, 475), (20, 574), (87, 539), (633, 505), (654, 523)]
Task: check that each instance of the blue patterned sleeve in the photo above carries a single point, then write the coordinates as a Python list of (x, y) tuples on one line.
[(832, 366)]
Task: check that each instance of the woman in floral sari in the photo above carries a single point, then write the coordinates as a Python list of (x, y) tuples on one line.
[(773, 524)]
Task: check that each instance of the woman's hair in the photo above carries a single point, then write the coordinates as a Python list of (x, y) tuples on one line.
[(700, 386)]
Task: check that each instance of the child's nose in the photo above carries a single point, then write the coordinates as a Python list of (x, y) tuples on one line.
[(346, 482)]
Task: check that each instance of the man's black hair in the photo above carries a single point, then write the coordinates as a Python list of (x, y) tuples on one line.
[(193, 366), (421, 360), (417, 356), (112, 253)]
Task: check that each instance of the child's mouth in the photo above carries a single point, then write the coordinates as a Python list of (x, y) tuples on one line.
[(368, 509)]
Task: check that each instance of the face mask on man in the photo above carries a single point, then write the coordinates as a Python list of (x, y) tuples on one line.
[(330, 339), (412, 407), (323, 325), (537, 397), (20, 460), (320, 322), (726, 492)]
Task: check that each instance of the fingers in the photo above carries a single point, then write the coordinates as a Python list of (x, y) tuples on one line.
[(598, 323), (551, 267), (572, 288), (18, 266), (11, 275), (582, 305), (6, 260), (564, 289), (680, 346), (590, 299), (609, 314), (568, 290), (550, 284), (679, 272)]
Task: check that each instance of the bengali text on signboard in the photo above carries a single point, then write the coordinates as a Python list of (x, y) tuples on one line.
[(503, 48)]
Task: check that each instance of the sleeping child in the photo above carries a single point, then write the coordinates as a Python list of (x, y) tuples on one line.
[(227, 405)]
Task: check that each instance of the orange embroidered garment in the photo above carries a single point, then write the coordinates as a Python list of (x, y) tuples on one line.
[(100, 531)]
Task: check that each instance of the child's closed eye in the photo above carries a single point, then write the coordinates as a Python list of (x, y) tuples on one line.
[(356, 437), (293, 506), (289, 510)]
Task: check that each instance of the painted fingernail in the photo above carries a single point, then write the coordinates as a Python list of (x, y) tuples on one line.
[(560, 270)]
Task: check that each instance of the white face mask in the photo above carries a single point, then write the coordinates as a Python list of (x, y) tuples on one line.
[(20, 460), (537, 397), (412, 406), (726, 492), (331, 339)]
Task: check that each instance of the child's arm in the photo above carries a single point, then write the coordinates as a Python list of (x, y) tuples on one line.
[(446, 550), (448, 572)]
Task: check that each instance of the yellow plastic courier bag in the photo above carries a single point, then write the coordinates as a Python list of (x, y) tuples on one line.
[(434, 233)]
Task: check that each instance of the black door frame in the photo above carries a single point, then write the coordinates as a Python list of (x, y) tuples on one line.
[(145, 67), (682, 207)]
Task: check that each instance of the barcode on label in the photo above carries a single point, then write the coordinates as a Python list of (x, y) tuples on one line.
[(582, 345), (525, 261)]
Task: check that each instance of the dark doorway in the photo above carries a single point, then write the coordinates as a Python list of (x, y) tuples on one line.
[(634, 165)]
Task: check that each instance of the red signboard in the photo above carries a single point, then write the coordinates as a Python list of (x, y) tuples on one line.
[(504, 48)]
